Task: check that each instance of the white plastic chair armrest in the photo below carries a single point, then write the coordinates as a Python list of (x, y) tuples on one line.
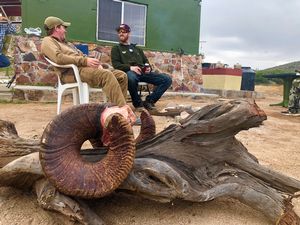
[(73, 66)]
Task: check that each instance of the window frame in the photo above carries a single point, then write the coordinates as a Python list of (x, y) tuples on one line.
[(122, 20)]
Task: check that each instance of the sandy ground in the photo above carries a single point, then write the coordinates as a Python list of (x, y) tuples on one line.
[(275, 143)]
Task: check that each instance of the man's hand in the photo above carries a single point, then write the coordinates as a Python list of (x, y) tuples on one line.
[(148, 69), (100, 67), (3, 19), (125, 111), (92, 62), (136, 69)]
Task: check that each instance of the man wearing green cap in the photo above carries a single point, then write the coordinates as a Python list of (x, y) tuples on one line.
[(55, 47)]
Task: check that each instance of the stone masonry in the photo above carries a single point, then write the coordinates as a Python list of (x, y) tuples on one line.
[(31, 68)]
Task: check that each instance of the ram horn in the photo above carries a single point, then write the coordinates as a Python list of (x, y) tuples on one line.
[(148, 128), (67, 170)]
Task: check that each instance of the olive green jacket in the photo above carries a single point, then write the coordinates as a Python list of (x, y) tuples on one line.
[(124, 56)]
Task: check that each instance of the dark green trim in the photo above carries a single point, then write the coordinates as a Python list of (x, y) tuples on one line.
[(171, 24)]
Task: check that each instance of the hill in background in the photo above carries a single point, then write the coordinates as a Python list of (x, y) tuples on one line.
[(288, 67), (285, 68)]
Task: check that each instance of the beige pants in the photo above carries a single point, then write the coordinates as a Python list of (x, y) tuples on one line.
[(114, 83), (122, 80)]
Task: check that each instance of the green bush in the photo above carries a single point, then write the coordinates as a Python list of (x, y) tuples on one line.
[(259, 79)]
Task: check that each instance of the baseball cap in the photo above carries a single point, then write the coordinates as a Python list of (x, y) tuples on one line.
[(123, 26), (52, 21)]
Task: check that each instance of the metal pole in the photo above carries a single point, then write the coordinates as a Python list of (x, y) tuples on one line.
[(199, 47)]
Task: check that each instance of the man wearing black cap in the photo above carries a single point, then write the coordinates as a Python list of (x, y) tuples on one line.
[(132, 60), (55, 47)]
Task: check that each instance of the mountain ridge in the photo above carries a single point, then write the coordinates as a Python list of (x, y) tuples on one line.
[(288, 67)]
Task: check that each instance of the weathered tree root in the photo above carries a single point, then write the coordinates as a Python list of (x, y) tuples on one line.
[(50, 199), (198, 160), (201, 160)]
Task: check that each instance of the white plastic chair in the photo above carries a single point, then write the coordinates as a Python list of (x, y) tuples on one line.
[(80, 90)]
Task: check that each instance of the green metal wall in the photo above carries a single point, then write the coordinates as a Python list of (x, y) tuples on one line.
[(171, 24)]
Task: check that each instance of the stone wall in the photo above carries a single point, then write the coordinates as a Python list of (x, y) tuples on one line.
[(32, 69)]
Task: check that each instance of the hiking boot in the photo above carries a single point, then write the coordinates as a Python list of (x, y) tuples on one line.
[(139, 108), (148, 105), (293, 110)]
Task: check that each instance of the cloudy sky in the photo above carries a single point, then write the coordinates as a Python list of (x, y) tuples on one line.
[(257, 33)]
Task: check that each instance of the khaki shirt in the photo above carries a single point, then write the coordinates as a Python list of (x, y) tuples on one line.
[(62, 54)]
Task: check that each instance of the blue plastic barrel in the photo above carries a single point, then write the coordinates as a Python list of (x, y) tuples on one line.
[(206, 65), (248, 79)]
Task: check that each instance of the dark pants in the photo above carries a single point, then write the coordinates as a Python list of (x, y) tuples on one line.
[(4, 61), (161, 82)]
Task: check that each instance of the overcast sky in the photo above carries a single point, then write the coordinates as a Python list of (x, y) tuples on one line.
[(257, 33)]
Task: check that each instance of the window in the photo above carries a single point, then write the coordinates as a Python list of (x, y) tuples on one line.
[(111, 13)]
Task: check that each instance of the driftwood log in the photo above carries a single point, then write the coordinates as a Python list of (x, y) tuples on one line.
[(197, 160)]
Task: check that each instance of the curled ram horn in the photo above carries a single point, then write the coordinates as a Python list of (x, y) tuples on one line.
[(60, 156), (148, 128)]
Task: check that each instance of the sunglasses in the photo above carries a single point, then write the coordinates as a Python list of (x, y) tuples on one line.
[(122, 32)]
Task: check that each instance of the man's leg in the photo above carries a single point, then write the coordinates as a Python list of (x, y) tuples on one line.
[(294, 97), (4, 61), (123, 81), (106, 80), (133, 80), (161, 81)]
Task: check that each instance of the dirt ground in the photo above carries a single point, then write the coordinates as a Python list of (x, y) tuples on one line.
[(275, 143)]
